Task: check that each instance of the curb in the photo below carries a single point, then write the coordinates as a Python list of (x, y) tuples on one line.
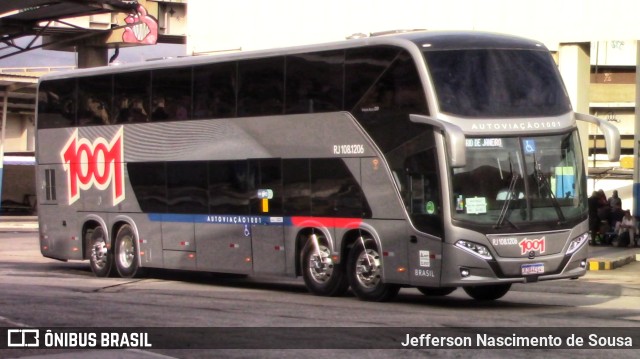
[(611, 263)]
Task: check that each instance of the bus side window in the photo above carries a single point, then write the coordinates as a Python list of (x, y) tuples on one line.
[(171, 94), (268, 177), (334, 190), (57, 104), (149, 182), (296, 180), (132, 100), (95, 94), (214, 89), (422, 179), (230, 187), (261, 87), (314, 82), (394, 93)]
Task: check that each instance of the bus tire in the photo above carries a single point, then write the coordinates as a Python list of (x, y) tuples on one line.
[(100, 257), (436, 292), (321, 275), (126, 252), (487, 292), (364, 270)]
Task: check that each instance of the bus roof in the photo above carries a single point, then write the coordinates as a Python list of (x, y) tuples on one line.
[(424, 40)]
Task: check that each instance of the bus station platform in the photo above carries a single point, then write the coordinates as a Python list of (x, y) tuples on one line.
[(600, 257), (609, 257), (18, 224)]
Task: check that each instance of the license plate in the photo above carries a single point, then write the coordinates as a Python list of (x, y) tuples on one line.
[(533, 268)]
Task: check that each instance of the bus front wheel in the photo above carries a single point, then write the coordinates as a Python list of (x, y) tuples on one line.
[(487, 292), (100, 257), (126, 252), (364, 269), (321, 275)]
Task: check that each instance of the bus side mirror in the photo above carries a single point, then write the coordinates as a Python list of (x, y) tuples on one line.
[(455, 138), (610, 132)]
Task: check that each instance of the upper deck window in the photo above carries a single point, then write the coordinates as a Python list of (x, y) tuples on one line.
[(497, 83)]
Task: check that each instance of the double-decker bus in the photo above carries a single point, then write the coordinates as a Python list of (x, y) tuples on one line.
[(433, 160)]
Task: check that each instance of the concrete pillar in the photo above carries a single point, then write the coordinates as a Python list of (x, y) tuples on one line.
[(92, 56), (636, 137), (575, 68)]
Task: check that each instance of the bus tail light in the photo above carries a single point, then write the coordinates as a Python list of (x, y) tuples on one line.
[(577, 242), (475, 249)]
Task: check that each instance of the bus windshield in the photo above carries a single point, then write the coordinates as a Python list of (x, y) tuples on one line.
[(497, 83), (515, 181)]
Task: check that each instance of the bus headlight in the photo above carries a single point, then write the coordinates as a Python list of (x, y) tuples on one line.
[(577, 242), (475, 249)]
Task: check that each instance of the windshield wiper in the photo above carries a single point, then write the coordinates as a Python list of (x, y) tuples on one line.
[(507, 203), (542, 180)]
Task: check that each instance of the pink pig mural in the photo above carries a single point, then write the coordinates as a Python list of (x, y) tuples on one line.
[(142, 29)]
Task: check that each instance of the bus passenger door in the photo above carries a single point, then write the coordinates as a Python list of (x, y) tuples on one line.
[(267, 231), (420, 188)]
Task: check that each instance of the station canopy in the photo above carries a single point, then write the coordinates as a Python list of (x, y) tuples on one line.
[(30, 19), (22, 18)]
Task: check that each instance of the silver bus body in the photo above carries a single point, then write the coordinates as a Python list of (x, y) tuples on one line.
[(370, 185)]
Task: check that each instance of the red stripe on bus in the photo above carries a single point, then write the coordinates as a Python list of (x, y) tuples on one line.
[(345, 223)]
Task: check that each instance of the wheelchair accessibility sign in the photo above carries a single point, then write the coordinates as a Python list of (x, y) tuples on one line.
[(529, 146)]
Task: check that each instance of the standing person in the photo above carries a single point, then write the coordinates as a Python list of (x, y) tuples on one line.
[(604, 212), (626, 230), (615, 201), (616, 214)]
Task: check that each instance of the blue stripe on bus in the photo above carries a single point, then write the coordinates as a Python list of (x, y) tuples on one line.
[(337, 222), (219, 219)]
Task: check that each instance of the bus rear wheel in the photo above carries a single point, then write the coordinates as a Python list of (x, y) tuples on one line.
[(126, 252), (100, 257), (321, 275), (364, 269), (487, 292)]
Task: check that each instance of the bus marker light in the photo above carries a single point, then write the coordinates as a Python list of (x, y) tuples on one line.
[(75, 249), (248, 259), (184, 243), (141, 253), (335, 258), (191, 256), (401, 269), (234, 245), (142, 241), (279, 248), (45, 248)]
